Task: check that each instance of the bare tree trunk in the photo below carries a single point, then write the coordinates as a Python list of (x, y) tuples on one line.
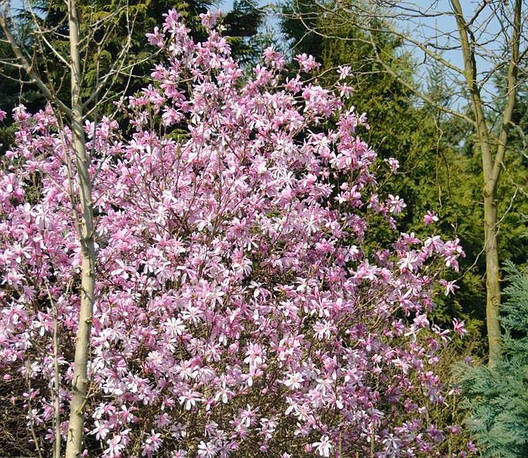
[(56, 381), (82, 344), (84, 220), (493, 292), (491, 166), (489, 189)]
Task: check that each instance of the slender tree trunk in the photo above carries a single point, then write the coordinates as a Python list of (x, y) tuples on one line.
[(86, 233), (490, 195), (493, 293), (490, 177), (56, 384)]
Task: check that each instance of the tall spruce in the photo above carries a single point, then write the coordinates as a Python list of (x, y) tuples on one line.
[(497, 398)]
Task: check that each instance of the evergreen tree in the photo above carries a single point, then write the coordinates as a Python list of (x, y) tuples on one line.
[(497, 399), (14, 89), (115, 24)]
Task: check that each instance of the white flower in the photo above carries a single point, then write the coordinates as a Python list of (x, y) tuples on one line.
[(207, 450), (344, 71), (175, 327), (324, 447), (190, 398), (293, 382)]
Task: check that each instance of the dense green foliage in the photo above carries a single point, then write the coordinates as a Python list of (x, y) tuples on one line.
[(498, 398), (15, 87)]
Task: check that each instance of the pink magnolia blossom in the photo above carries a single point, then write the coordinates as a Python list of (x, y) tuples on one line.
[(459, 327), (238, 307), (430, 218), (344, 71), (307, 63), (323, 447)]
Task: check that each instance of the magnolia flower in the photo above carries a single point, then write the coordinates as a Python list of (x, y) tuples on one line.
[(307, 63), (178, 454), (459, 327), (430, 218), (394, 164), (344, 71), (227, 273), (294, 381), (207, 449), (101, 429), (324, 446), (190, 398)]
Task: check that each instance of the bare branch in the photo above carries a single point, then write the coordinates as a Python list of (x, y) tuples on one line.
[(419, 93), (28, 68), (511, 92)]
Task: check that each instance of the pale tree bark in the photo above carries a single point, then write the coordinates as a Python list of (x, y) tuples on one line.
[(85, 224), (56, 378), (474, 42), (74, 115), (87, 232)]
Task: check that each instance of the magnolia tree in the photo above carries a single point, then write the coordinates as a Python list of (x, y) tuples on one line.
[(239, 310)]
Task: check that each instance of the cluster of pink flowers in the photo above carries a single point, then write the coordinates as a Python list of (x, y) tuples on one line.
[(239, 310)]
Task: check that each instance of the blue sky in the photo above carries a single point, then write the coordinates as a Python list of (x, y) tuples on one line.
[(426, 29)]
